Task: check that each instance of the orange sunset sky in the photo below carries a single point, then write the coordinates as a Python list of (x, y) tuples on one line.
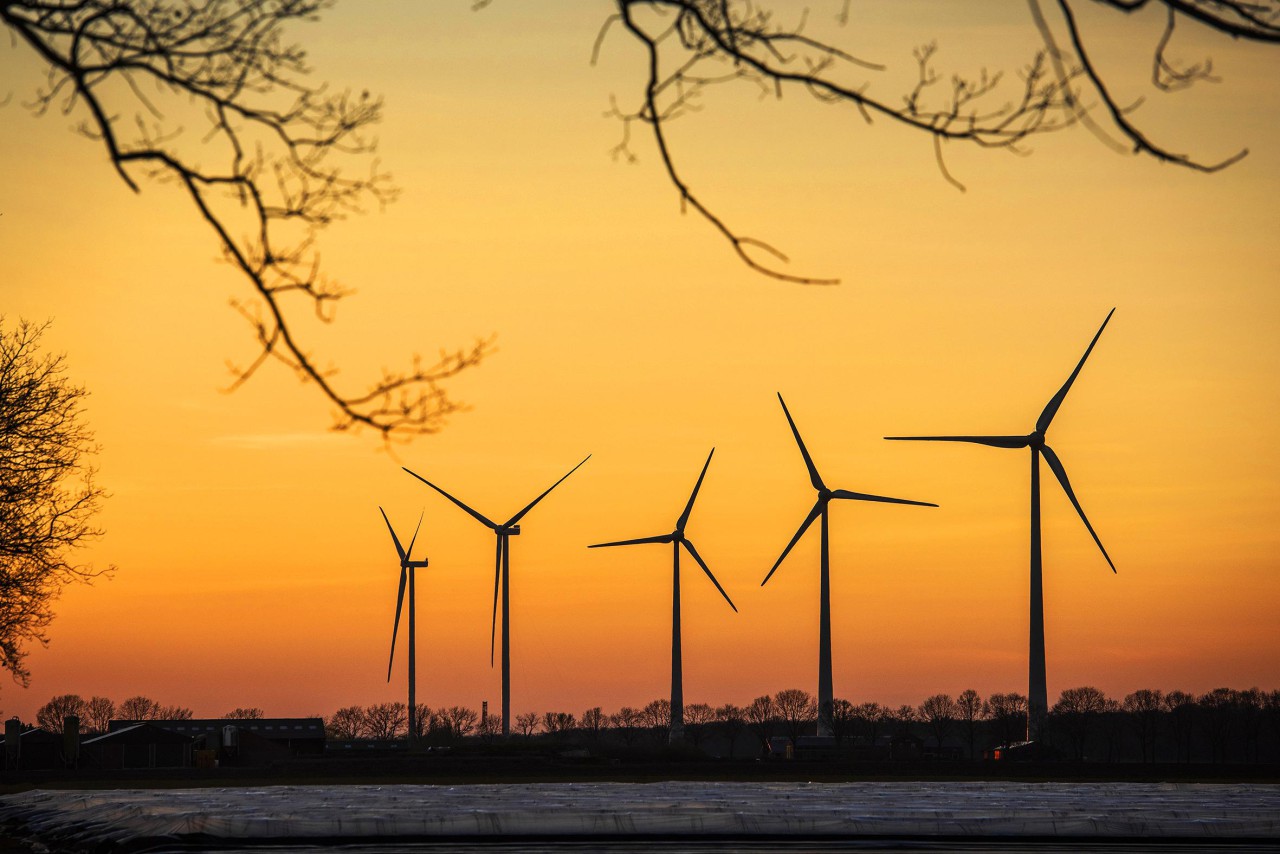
[(254, 569)]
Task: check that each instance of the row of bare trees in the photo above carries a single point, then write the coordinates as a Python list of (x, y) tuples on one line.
[(1147, 725), (96, 713), (388, 721)]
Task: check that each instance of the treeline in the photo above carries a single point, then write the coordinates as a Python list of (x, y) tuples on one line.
[(1148, 725), (96, 713)]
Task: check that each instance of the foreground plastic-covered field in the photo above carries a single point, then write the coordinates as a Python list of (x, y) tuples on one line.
[(137, 819)]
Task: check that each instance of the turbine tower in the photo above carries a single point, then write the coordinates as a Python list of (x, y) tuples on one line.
[(407, 566), (678, 539), (1037, 689), (502, 577), (826, 696)]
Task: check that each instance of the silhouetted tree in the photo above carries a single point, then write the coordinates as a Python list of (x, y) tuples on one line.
[(697, 717), (939, 712), (1009, 714), (797, 708), (1217, 714), (139, 708), (656, 717), (969, 710), (558, 723), (267, 165), (385, 720), (345, 723), (527, 723), (843, 718), (460, 720), (98, 712), (249, 714), (869, 718), (424, 720), (904, 718), (489, 728), (1181, 707), (1077, 710), (1144, 708), (50, 716), (760, 717), (594, 722), (690, 46), (1250, 704), (174, 713), (47, 492), (732, 720)]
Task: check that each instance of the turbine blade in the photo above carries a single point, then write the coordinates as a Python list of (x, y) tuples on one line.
[(804, 452), (395, 627), (399, 549), (804, 526), (702, 563), (1056, 464), (1051, 408), (409, 552), (993, 441), (497, 575), (863, 496), (518, 516), (481, 519), (684, 517), (664, 538)]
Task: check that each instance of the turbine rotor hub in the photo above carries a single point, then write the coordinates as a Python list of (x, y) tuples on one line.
[(1037, 439)]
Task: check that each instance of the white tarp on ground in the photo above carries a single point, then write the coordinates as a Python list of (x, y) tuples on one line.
[(1009, 810)]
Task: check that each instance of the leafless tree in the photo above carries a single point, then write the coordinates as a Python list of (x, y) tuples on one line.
[(1181, 707), (460, 720), (175, 713), (761, 713), (870, 719), (939, 712), (209, 97), (904, 719), (656, 714), (1217, 718), (50, 716), (47, 491), (594, 721), (527, 723), (1144, 707), (732, 720), (385, 720), (554, 723), (345, 723), (247, 714), (98, 712), (697, 716), (969, 710), (843, 717), (797, 708), (1077, 710), (625, 721), (1009, 713), (690, 46), (139, 709)]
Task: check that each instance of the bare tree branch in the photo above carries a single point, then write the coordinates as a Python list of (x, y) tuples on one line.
[(142, 71)]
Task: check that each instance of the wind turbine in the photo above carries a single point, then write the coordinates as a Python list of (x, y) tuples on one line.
[(407, 566), (825, 694), (678, 539), (502, 575), (1037, 691)]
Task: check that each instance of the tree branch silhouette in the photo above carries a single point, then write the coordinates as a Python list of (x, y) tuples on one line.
[(692, 45), (47, 491), (267, 171)]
